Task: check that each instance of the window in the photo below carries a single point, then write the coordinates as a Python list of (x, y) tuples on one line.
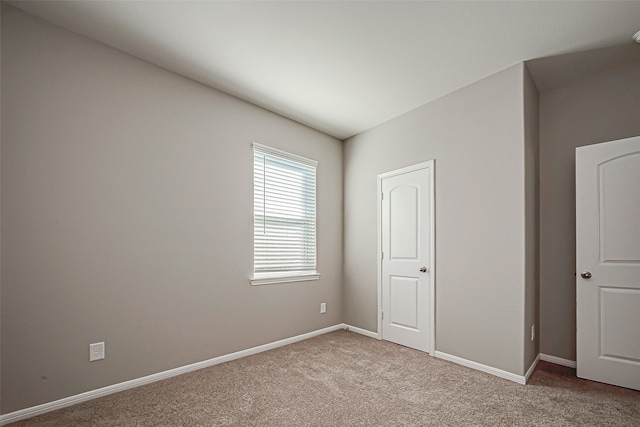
[(284, 224)]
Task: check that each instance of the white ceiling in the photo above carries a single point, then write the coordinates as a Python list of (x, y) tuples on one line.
[(344, 67)]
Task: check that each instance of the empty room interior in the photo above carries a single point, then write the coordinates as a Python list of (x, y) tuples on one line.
[(450, 149)]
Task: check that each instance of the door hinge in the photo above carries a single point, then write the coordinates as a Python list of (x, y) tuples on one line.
[(382, 196), (381, 255), (382, 315)]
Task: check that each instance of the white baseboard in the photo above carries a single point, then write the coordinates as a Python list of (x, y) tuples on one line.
[(115, 388), (362, 331), (558, 360), (480, 367), (531, 368)]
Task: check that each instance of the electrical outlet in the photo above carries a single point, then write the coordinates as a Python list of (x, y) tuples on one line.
[(323, 307), (533, 332), (96, 351)]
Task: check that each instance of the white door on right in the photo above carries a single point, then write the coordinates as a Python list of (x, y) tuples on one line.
[(608, 262)]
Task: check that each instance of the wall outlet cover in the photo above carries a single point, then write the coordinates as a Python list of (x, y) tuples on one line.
[(96, 351)]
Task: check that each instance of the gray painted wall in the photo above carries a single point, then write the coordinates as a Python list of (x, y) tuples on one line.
[(599, 108), (532, 223), (476, 136), (0, 214), (127, 218)]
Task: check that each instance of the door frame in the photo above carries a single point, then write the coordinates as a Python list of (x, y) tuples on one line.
[(430, 165)]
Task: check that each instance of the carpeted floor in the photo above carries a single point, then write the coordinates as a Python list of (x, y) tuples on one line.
[(346, 379)]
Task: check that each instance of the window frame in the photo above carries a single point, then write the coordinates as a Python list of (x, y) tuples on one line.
[(283, 276)]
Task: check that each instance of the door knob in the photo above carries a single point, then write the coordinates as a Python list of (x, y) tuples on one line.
[(423, 269), (585, 275)]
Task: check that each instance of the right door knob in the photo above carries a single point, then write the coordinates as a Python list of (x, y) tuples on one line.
[(585, 275)]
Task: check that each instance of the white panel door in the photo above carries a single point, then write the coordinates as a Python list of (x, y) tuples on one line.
[(608, 262), (407, 258)]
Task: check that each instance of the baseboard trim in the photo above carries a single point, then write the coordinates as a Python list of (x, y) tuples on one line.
[(361, 331), (480, 367), (531, 368), (115, 388), (558, 360)]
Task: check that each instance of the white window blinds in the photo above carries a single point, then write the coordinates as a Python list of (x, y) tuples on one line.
[(284, 213)]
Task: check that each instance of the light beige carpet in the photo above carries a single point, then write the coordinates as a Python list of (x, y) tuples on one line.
[(345, 379)]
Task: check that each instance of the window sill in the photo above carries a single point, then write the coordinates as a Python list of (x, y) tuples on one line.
[(271, 280)]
